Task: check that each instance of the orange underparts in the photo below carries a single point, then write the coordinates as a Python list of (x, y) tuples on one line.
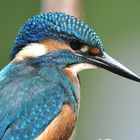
[(71, 76), (61, 127)]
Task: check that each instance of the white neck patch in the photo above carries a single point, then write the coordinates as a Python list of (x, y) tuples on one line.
[(31, 51), (79, 67), (35, 50)]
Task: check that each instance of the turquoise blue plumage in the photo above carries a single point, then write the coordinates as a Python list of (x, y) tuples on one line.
[(39, 88), (30, 91), (59, 26)]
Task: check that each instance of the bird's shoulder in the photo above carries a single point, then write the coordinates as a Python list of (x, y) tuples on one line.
[(27, 92)]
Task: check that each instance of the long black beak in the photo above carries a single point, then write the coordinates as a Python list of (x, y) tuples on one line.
[(110, 64)]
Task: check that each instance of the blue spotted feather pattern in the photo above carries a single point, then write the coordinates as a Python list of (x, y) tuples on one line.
[(55, 25), (32, 94)]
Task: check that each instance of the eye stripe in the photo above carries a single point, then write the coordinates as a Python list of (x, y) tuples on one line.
[(95, 51)]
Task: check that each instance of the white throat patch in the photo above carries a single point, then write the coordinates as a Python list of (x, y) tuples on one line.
[(79, 67), (35, 50)]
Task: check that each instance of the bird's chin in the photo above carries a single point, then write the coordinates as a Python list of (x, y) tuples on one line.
[(76, 68), (110, 64)]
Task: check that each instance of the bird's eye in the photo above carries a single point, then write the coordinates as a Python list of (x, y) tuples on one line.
[(75, 45)]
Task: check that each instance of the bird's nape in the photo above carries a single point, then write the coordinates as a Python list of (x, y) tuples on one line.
[(58, 26)]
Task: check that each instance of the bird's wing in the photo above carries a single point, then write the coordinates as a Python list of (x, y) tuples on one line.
[(30, 99)]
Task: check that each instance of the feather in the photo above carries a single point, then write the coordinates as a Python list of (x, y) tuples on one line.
[(30, 98)]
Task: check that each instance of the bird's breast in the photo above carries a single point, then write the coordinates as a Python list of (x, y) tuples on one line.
[(63, 124), (75, 80), (61, 127)]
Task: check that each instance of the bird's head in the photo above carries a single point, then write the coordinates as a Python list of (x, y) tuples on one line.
[(49, 33)]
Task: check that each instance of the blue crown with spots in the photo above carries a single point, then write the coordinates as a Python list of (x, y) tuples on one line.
[(55, 25)]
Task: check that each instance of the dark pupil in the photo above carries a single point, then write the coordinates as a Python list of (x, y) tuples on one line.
[(75, 45)]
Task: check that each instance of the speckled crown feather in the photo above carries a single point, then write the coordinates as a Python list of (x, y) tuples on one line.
[(55, 25)]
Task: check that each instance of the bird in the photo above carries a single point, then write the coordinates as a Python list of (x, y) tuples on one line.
[(40, 87)]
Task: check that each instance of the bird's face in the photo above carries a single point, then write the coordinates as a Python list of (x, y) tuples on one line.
[(52, 32), (96, 57)]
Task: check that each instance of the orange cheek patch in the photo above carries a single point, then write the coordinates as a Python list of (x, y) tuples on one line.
[(37, 49), (53, 45)]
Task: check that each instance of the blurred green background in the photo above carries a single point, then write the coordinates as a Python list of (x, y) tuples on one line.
[(110, 105)]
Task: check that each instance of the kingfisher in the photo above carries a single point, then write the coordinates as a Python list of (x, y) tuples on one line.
[(39, 88)]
